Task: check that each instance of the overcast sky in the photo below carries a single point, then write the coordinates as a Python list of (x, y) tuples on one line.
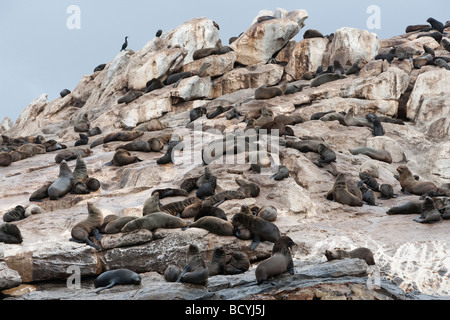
[(40, 54)]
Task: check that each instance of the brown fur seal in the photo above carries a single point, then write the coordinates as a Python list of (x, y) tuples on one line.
[(428, 212), (154, 221), (327, 155), (196, 113), (116, 225), (377, 154), (106, 220), (170, 192), (130, 97), (418, 27), (177, 77), (210, 211), (312, 33), (80, 174), (250, 189), (376, 123), (410, 185), (203, 53), (220, 197), (191, 210), (122, 136), (72, 154), (206, 185), (172, 273), (217, 263), (195, 271), (18, 213), (341, 194), (370, 181), (84, 140), (264, 92), (92, 184), (305, 146), (30, 150), (189, 184), (89, 227), (324, 78), (123, 158), (41, 193), (386, 192), (260, 229), (153, 84), (279, 262), (63, 184), (361, 253), (410, 207), (367, 194), (351, 120), (177, 207), (151, 205), (334, 116), (167, 158), (83, 124), (10, 234), (281, 174), (94, 131), (214, 225), (5, 159), (237, 263), (142, 146), (111, 278), (265, 117)]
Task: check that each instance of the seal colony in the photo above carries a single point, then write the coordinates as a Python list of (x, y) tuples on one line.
[(200, 200)]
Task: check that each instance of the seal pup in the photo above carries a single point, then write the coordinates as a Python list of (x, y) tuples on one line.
[(441, 63), (5, 159), (83, 124), (89, 227), (195, 271), (177, 207), (268, 213), (170, 192), (341, 194), (417, 27), (63, 184), (154, 221), (446, 44), (100, 67), (130, 97), (250, 189), (410, 207), (327, 155), (196, 113), (260, 229), (280, 261), (84, 140), (356, 67), (377, 154), (220, 110), (17, 214), (122, 158), (389, 57), (72, 154), (238, 262), (206, 185), (10, 234), (370, 181), (410, 185), (41, 193), (370, 167), (125, 44), (80, 175), (221, 197), (176, 78), (428, 212), (172, 273), (167, 158), (281, 174), (189, 184), (153, 84), (116, 225), (205, 52), (367, 195), (265, 117), (111, 278), (217, 263), (386, 192), (360, 253), (210, 211), (214, 225)]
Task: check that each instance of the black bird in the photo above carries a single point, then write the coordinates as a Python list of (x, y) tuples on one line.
[(125, 45)]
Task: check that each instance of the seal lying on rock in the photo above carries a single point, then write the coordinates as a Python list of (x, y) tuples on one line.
[(111, 278), (260, 229), (410, 185), (10, 233), (361, 253)]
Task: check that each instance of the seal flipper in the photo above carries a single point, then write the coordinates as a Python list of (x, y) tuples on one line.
[(112, 284), (108, 164), (185, 270), (255, 242), (96, 233)]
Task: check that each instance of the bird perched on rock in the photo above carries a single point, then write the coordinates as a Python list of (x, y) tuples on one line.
[(125, 44)]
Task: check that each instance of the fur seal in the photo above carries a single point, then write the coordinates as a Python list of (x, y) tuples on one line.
[(116, 225), (92, 184), (214, 225), (177, 77), (219, 110), (167, 158), (367, 194), (266, 116), (312, 33), (410, 207), (233, 114), (177, 207), (130, 97), (238, 262), (172, 273), (206, 185), (191, 210), (351, 120), (279, 262), (88, 227), (170, 192), (305, 146), (219, 198), (189, 184), (377, 127), (334, 116), (138, 145), (72, 154), (94, 131), (250, 189), (64, 93), (41, 193), (435, 35), (446, 44), (153, 84), (410, 185), (377, 154), (268, 213), (122, 136), (106, 220), (281, 174), (260, 229), (265, 92), (80, 174), (5, 159), (389, 57), (83, 124), (154, 221), (203, 53), (325, 78), (217, 263), (100, 67), (195, 271), (437, 25), (356, 67), (84, 140), (341, 194), (441, 63), (210, 211), (327, 155), (417, 27), (111, 278), (10, 234), (370, 181), (428, 212), (18, 213), (63, 184), (196, 113), (123, 157), (387, 192), (361, 253)]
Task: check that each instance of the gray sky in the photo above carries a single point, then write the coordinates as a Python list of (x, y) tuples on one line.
[(39, 54)]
